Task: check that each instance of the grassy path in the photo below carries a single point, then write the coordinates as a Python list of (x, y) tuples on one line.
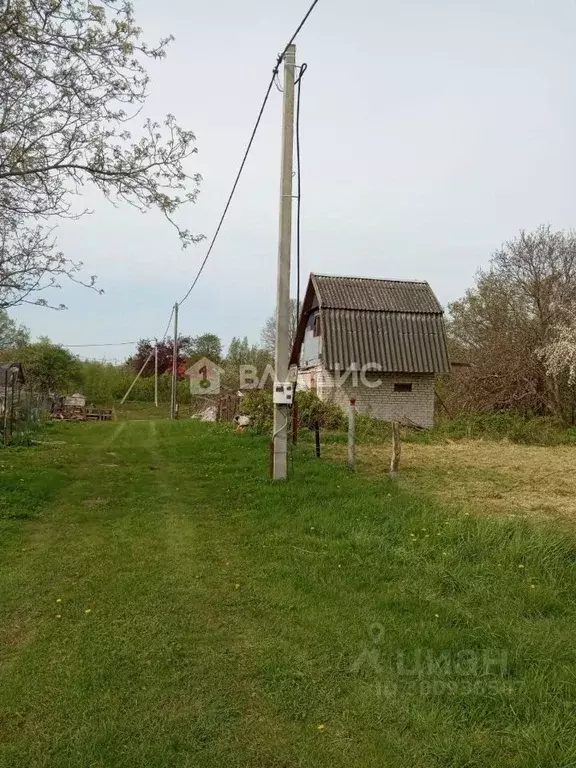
[(163, 604)]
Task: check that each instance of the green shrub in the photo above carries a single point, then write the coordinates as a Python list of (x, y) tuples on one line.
[(257, 403), (311, 410)]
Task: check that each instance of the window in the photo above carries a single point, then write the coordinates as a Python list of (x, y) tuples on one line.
[(316, 328), (400, 387)]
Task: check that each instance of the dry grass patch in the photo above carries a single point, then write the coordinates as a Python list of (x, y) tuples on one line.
[(487, 476)]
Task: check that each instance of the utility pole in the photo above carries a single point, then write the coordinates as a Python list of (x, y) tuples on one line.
[(174, 401), (281, 419), (156, 373)]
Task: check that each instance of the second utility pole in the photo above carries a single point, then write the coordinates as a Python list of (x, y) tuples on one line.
[(280, 435), (174, 401), (156, 373)]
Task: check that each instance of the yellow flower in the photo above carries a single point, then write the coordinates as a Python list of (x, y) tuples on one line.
[(237, 586), (88, 610), (321, 727), (436, 616), (58, 615), (532, 586), (58, 599), (520, 566)]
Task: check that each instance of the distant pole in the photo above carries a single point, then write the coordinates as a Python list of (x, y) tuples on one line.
[(174, 403), (156, 373), (131, 387), (352, 434), (281, 412), (317, 438)]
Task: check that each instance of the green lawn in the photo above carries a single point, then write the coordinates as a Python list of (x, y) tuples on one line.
[(163, 604)]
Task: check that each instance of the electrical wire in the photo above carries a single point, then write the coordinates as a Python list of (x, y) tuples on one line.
[(303, 69), (168, 324), (105, 344), (248, 148)]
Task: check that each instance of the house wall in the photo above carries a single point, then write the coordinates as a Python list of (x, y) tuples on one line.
[(380, 402), (311, 350)]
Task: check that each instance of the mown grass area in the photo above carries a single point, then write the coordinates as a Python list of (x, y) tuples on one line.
[(162, 603)]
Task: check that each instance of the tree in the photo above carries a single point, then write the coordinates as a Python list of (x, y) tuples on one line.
[(145, 351), (268, 334), (12, 336), (73, 77), (49, 367), (207, 345), (504, 325)]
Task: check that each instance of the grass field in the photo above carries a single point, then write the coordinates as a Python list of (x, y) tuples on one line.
[(163, 604)]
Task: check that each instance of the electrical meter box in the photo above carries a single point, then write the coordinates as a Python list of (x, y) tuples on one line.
[(283, 392)]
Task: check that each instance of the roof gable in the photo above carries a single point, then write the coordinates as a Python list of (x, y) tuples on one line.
[(396, 325)]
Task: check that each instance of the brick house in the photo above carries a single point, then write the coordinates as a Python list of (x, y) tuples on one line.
[(381, 342)]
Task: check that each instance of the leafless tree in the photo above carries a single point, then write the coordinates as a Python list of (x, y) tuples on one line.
[(268, 333), (507, 327), (73, 78)]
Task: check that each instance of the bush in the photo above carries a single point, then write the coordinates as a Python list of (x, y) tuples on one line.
[(311, 410), (257, 403)]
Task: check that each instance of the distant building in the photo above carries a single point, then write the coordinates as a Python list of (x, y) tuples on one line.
[(75, 401), (11, 380), (381, 342)]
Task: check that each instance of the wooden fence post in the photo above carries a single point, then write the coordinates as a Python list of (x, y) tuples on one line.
[(396, 449), (352, 434), (294, 423), (317, 435)]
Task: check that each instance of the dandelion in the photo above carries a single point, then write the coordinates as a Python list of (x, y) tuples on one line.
[(444, 553), (88, 610), (436, 616), (58, 599), (520, 566), (58, 615), (237, 586), (321, 727), (532, 586)]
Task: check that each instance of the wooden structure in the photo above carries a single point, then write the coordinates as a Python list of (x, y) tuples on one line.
[(228, 407), (11, 381)]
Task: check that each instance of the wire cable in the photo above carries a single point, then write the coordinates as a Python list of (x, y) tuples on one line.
[(105, 344), (303, 69), (168, 325), (248, 148)]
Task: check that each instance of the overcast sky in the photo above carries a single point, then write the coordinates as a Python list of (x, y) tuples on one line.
[(431, 132)]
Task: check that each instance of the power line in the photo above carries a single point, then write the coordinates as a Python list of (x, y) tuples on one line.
[(303, 69), (105, 344), (248, 148)]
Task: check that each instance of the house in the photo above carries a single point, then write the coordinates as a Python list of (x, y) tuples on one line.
[(381, 342)]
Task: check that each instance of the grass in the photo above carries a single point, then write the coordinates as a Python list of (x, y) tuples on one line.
[(488, 477), (163, 604)]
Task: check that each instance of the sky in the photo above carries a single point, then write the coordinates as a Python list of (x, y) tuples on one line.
[(431, 133)]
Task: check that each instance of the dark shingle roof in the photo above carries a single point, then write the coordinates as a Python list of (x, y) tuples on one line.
[(394, 324), (366, 293)]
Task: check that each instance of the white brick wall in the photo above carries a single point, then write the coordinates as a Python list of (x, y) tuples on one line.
[(380, 402)]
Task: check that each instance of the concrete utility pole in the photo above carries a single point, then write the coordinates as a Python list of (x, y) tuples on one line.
[(156, 373), (174, 402), (280, 436)]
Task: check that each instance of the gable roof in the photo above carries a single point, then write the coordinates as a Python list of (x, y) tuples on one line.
[(371, 294), (396, 325)]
